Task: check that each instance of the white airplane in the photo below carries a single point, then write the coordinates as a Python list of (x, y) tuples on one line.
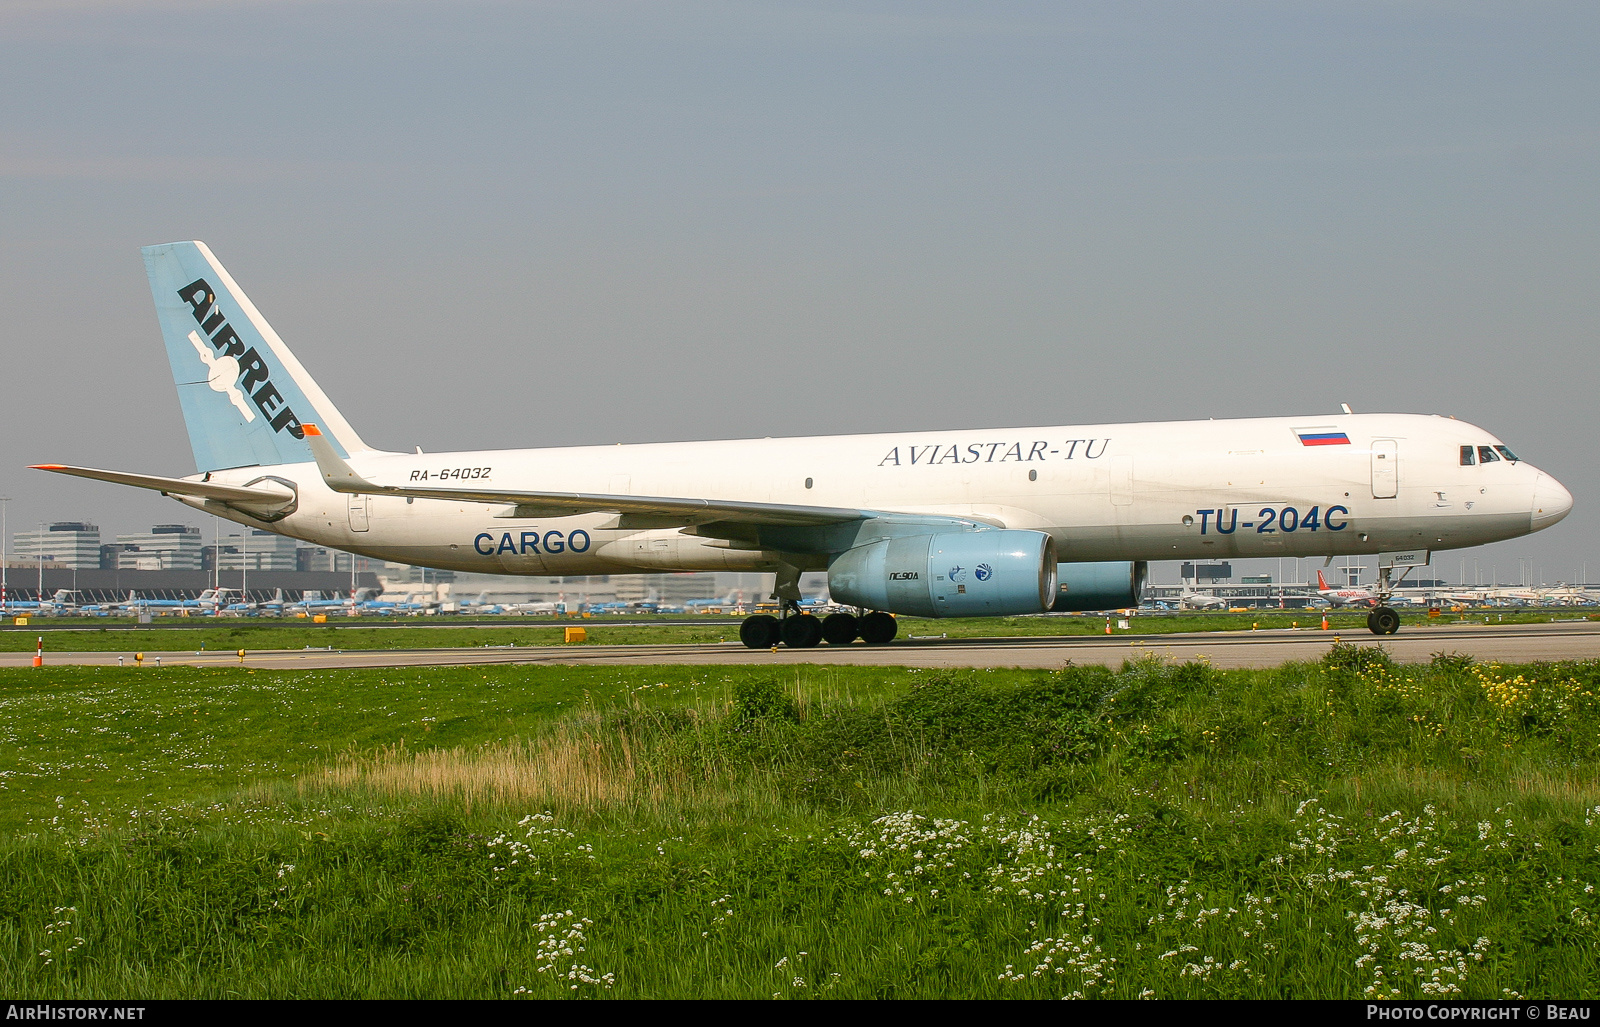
[(313, 603), (1202, 601), (275, 605), (479, 605), (482, 605), (61, 602), (1346, 596), (727, 602), (413, 602), (209, 601), (982, 522), (548, 608)]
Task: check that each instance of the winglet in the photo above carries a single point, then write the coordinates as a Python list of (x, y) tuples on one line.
[(339, 475)]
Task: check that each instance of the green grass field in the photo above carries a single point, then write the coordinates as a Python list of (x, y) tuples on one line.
[(1347, 828), (178, 633)]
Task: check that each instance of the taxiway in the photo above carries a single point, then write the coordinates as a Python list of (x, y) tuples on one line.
[(1519, 643)]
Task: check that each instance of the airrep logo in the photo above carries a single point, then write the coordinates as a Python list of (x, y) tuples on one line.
[(231, 368)]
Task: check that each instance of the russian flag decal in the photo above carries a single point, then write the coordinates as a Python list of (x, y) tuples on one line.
[(1321, 437)]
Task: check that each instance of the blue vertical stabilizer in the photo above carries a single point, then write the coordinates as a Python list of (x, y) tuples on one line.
[(244, 395)]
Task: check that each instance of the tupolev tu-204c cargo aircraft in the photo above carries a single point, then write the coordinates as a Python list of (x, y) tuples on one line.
[(987, 522)]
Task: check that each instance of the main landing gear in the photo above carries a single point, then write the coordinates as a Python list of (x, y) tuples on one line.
[(803, 631), (799, 630)]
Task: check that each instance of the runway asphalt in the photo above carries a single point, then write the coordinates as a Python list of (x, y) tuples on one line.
[(1509, 643)]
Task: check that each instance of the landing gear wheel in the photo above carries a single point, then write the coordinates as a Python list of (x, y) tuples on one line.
[(1384, 621), (878, 628), (1372, 622), (840, 628), (759, 632), (801, 631)]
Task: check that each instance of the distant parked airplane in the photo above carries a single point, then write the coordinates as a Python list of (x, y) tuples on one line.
[(1345, 596), (63, 601)]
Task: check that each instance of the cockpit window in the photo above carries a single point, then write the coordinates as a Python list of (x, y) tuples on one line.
[(1486, 455), (1467, 459), (1507, 453)]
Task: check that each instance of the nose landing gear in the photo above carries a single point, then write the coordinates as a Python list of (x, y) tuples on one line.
[(1383, 621)]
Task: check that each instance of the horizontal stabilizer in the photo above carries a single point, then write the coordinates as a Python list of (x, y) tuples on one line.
[(276, 495), (341, 477)]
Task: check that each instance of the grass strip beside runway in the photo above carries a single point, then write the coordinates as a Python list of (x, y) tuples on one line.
[(1344, 828)]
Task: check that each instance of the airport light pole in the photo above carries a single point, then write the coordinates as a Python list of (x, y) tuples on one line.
[(4, 538)]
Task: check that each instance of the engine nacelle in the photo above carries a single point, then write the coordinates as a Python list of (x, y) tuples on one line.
[(953, 574), (1098, 586)]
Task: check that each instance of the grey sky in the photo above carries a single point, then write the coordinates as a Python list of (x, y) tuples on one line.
[(516, 224)]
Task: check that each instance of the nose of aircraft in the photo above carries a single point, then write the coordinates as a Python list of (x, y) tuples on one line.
[(1551, 502)]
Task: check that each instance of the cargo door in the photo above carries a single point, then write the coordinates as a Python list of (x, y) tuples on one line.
[(1385, 468), (358, 512)]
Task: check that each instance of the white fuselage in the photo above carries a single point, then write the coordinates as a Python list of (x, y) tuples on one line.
[(1140, 491)]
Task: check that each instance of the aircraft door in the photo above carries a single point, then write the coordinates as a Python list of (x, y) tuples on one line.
[(358, 512), (1385, 468)]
